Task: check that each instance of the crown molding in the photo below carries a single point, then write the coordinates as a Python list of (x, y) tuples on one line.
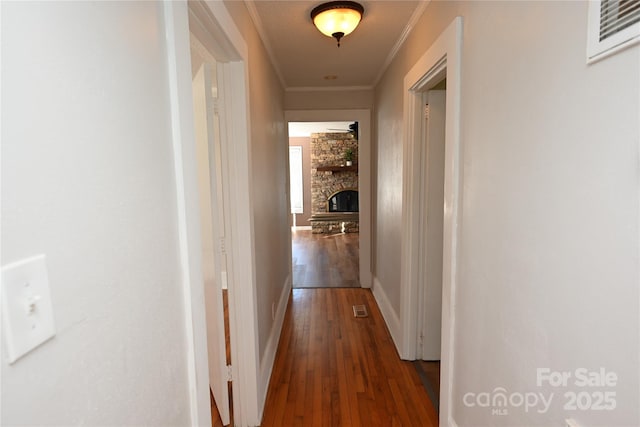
[(257, 23), (326, 88), (417, 13)]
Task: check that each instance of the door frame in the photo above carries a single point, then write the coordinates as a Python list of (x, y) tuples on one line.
[(218, 32), (214, 228), (431, 222), (442, 59), (363, 117)]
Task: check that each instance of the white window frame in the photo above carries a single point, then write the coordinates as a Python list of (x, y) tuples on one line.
[(596, 49)]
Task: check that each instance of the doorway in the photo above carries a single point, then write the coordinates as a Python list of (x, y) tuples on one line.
[(213, 224), (348, 117), (431, 244), (441, 61), (209, 28), (324, 190)]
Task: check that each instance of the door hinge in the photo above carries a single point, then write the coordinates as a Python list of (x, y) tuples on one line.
[(223, 278), (223, 245), (426, 111), (214, 106), (229, 373)]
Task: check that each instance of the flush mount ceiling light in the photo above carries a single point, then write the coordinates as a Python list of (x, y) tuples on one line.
[(337, 18)]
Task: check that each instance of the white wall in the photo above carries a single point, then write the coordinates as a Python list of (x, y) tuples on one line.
[(88, 179), (548, 249), (345, 98)]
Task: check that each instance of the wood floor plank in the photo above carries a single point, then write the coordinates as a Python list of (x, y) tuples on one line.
[(332, 369), (325, 260)]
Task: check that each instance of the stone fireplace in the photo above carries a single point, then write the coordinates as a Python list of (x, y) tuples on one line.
[(334, 186)]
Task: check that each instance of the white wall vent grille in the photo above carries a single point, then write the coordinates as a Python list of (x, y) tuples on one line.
[(613, 26)]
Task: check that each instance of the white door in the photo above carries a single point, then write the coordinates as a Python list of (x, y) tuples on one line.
[(432, 206), (207, 129)]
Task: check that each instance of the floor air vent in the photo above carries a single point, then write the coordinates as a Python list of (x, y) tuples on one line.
[(360, 311)]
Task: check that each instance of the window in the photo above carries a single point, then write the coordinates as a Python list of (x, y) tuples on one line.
[(613, 26), (295, 171)]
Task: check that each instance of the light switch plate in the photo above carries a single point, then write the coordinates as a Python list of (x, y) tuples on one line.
[(27, 313)]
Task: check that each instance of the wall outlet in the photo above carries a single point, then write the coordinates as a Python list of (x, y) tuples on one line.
[(273, 311)]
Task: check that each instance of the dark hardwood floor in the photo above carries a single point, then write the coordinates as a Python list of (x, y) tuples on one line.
[(325, 260), (334, 369), (216, 421), (429, 372)]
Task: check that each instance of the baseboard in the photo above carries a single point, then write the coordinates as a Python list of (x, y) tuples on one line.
[(390, 316), (451, 423), (268, 359)]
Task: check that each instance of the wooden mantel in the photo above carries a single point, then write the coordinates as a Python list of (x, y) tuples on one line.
[(338, 168)]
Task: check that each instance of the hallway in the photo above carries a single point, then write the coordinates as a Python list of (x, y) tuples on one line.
[(103, 240), (325, 260), (334, 369)]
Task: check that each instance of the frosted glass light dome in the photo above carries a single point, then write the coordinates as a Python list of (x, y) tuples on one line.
[(337, 18)]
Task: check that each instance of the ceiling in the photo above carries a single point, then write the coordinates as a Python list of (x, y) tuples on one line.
[(303, 56), (307, 128)]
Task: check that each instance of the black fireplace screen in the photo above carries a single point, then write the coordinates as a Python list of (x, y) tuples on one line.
[(344, 201)]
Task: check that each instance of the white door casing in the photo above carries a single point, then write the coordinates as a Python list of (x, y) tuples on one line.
[(188, 215), (442, 59), (215, 27), (363, 117), (225, 42)]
